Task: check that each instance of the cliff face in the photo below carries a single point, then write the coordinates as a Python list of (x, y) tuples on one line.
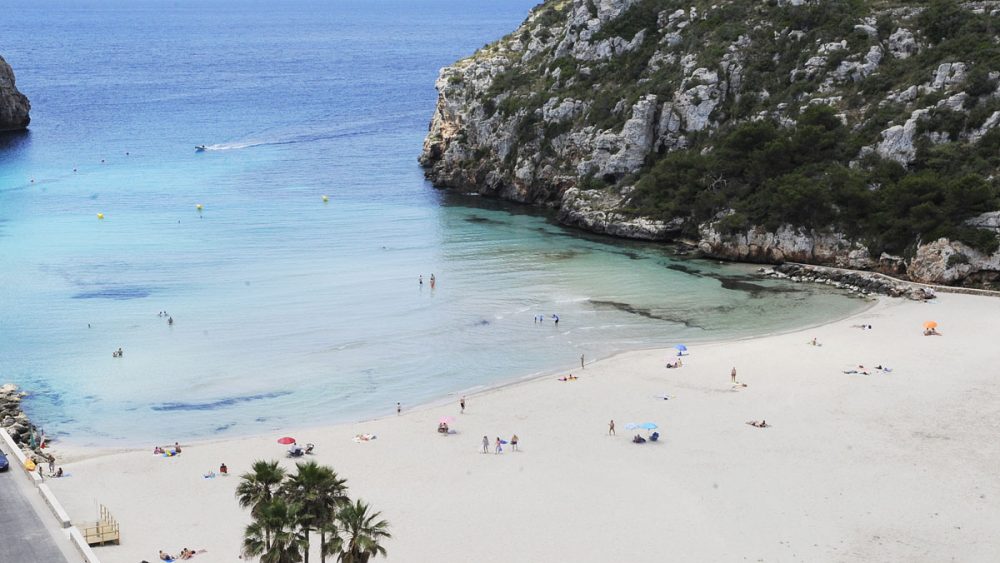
[(14, 106), (766, 131)]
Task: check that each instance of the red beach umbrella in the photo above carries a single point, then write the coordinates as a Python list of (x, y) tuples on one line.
[(446, 419), (286, 440)]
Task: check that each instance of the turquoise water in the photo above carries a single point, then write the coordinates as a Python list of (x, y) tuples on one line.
[(288, 310)]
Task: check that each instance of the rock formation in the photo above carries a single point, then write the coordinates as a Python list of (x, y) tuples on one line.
[(579, 104), (14, 106)]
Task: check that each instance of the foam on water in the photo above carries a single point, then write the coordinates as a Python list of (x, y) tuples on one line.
[(288, 310)]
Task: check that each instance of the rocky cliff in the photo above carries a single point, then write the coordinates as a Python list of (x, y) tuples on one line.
[(14, 106), (863, 135)]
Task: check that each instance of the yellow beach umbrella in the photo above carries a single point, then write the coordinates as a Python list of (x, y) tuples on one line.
[(930, 324)]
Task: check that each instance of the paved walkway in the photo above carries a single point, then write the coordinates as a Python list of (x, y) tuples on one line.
[(24, 536)]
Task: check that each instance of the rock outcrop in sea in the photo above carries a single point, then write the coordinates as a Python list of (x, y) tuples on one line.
[(14, 105), (857, 135)]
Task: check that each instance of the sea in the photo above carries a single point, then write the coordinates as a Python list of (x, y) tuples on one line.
[(288, 254)]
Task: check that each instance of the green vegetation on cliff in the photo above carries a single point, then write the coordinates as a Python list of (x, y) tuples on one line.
[(876, 120)]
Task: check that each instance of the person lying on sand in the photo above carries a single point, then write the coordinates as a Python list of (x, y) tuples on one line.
[(761, 424), (569, 377), (931, 332), (675, 364), (165, 556)]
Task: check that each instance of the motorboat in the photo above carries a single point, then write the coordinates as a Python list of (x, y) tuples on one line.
[(200, 148)]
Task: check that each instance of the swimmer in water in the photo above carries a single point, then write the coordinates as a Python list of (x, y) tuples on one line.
[(433, 280)]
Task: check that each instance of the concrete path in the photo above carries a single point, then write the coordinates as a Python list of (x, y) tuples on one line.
[(28, 532)]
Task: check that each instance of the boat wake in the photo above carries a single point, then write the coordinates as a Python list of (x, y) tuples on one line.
[(287, 136)]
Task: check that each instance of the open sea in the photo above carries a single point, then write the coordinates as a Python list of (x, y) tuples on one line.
[(288, 310)]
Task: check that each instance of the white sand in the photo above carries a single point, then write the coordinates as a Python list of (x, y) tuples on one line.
[(903, 466)]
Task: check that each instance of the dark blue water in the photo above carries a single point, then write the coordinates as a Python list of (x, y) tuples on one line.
[(289, 310)]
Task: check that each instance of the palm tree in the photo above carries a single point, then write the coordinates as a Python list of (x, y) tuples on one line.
[(317, 492), (272, 536), (257, 488), (359, 534)]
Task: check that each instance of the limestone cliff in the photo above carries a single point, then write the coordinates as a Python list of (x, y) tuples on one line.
[(14, 106), (797, 130)]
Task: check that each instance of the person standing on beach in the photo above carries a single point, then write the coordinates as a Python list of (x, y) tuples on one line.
[(513, 443), (733, 375), (52, 464), (461, 403), (581, 361), (498, 449), (399, 409), (611, 428), (486, 445)]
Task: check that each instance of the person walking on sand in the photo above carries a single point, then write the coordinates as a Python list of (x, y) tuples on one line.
[(461, 403), (52, 464), (611, 428), (498, 449), (733, 375), (486, 445), (513, 443), (581, 361)]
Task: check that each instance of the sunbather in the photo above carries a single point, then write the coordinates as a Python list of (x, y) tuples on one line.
[(754, 423), (165, 556)]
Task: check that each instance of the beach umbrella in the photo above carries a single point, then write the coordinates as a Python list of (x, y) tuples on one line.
[(648, 426), (286, 440), (631, 426), (681, 348), (930, 324), (446, 419)]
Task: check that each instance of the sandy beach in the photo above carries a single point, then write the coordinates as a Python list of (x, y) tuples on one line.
[(901, 465)]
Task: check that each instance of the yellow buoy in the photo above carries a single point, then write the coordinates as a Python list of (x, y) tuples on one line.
[(325, 199), (100, 216), (198, 206)]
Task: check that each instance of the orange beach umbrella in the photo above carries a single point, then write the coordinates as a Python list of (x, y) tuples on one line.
[(930, 324)]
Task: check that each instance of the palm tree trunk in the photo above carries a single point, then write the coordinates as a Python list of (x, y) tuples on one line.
[(305, 558), (322, 545), (267, 538)]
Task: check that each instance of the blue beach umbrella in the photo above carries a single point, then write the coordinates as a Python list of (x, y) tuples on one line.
[(648, 426), (681, 348), (632, 426)]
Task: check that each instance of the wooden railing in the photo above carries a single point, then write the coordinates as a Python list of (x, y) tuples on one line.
[(105, 530)]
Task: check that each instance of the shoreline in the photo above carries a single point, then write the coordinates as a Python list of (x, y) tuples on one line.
[(78, 452)]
